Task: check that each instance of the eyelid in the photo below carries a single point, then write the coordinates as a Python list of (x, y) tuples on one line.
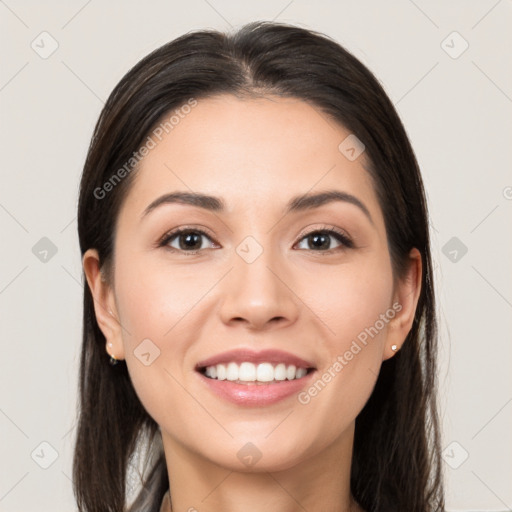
[(165, 238), (344, 238)]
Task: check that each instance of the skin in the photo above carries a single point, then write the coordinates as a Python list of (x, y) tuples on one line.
[(255, 154)]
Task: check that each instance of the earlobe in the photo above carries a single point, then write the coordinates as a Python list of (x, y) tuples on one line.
[(407, 295), (104, 304)]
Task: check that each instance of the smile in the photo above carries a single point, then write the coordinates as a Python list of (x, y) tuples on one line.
[(247, 372)]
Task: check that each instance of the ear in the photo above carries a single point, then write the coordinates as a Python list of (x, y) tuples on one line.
[(405, 301), (104, 304)]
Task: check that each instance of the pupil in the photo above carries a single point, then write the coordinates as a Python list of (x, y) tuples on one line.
[(319, 241), (190, 240)]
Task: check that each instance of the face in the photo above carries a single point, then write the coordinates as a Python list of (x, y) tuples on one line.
[(254, 269)]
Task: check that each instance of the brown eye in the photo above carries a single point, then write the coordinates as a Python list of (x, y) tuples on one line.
[(322, 241), (187, 240), (319, 241)]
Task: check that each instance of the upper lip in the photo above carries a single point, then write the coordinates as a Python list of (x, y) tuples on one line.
[(264, 356)]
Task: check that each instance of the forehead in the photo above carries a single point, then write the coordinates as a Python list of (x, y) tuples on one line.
[(253, 152)]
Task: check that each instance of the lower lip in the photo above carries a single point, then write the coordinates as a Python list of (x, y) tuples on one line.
[(256, 395)]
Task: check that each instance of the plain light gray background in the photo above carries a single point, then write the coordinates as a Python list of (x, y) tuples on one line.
[(456, 104)]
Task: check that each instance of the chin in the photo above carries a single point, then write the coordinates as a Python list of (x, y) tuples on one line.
[(258, 457)]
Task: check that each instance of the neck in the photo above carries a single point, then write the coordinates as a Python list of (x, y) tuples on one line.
[(317, 483)]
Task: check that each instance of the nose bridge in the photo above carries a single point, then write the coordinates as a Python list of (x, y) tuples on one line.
[(255, 292)]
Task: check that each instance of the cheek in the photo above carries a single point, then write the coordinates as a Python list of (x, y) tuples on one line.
[(354, 304), (350, 299), (153, 300), (158, 307)]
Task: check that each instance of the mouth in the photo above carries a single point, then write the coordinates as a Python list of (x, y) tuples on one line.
[(249, 373), (255, 379)]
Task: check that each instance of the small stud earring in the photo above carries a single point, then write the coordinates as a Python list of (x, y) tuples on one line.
[(394, 348), (113, 361)]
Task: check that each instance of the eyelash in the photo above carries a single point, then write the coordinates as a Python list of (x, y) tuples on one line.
[(342, 238)]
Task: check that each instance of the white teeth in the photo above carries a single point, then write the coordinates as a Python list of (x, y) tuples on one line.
[(246, 370), (232, 372), (211, 371), (301, 372), (221, 372), (249, 372), (264, 373), (280, 372)]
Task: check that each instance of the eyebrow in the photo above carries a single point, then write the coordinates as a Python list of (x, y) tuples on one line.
[(296, 204)]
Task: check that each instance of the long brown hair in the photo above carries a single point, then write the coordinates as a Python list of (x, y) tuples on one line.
[(396, 459)]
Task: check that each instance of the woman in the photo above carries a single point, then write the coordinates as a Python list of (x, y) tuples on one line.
[(254, 235)]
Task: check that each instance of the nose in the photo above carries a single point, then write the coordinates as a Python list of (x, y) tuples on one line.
[(258, 295)]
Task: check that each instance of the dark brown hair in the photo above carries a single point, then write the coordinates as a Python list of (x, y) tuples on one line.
[(396, 458)]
